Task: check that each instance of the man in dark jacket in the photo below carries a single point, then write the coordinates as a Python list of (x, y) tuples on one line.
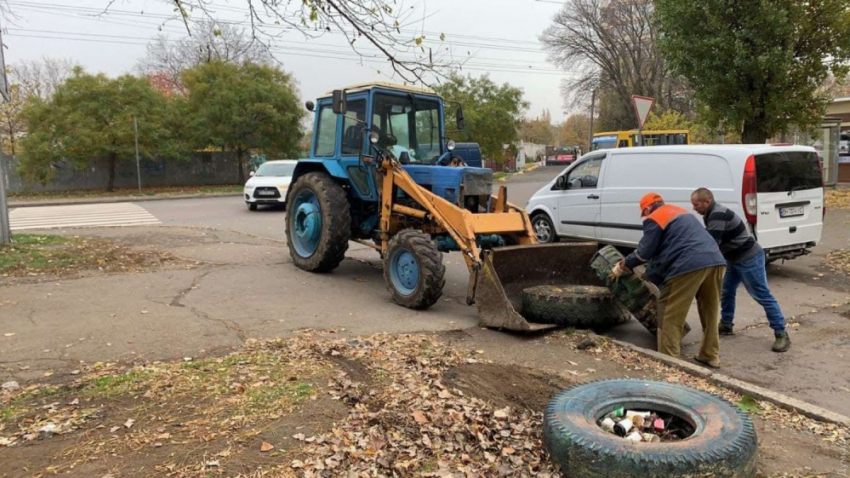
[(685, 262), (745, 263)]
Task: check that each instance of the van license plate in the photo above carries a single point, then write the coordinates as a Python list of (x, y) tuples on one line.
[(791, 211)]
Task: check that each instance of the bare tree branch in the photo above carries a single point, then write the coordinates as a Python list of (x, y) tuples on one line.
[(380, 24), (609, 45)]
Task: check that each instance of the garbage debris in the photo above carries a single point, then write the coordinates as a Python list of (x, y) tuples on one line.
[(644, 426), (11, 386)]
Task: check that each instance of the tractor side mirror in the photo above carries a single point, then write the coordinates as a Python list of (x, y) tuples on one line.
[(310, 106), (339, 105), (459, 118)]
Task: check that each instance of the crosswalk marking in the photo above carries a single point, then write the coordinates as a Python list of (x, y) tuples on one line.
[(84, 215)]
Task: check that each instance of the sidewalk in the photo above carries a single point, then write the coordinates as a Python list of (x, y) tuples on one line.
[(14, 203)]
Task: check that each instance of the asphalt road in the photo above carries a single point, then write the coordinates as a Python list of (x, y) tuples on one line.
[(250, 289)]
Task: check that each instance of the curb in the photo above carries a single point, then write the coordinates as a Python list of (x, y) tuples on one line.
[(71, 202), (760, 393)]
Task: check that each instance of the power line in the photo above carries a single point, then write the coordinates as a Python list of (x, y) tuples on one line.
[(472, 67), (290, 50)]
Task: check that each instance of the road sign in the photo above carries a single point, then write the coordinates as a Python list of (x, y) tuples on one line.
[(642, 106)]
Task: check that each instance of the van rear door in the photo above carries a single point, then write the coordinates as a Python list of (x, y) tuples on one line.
[(790, 197)]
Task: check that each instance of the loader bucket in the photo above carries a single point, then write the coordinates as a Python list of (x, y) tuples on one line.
[(509, 270)]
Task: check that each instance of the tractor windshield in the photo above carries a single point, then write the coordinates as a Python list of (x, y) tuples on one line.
[(408, 126)]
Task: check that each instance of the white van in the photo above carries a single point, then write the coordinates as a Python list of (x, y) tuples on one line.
[(777, 190)]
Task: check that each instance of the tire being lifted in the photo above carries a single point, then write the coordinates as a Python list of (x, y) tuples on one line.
[(580, 306), (724, 443)]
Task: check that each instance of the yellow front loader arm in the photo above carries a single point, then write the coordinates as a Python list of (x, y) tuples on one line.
[(462, 225)]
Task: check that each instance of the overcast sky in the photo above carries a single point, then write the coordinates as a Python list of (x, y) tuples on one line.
[(495, 37)]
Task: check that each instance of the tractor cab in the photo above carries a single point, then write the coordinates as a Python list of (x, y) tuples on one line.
[(352, 126)]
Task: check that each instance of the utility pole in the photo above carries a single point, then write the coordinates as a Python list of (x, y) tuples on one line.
[(590, 133), (5, 228), (138, 168)]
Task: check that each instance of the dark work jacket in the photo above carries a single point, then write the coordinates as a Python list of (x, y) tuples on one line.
[(674, 243)]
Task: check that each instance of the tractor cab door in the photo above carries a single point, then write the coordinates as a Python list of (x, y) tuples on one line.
[(354, 144)]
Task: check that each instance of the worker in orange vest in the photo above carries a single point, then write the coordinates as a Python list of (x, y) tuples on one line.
[(685, 262)]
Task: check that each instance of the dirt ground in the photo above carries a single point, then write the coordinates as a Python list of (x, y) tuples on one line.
[(453, 404)]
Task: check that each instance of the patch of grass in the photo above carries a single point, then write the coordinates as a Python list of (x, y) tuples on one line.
[(570, 331), (36, 252), (498, 176), (265, 397), (24, 400), (110, 386), (749, 404)]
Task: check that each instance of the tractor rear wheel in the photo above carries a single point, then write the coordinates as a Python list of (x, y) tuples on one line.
[(318, 223), (414, 270)]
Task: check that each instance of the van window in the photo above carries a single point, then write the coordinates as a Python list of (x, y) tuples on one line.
[(585, 175), (787, 171), (687, 171)]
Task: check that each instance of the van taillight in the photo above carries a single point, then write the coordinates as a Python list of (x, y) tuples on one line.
[(823, 187), (748, 191)]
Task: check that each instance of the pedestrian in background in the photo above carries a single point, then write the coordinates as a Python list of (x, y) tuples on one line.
[(685, 262), (744, 264)]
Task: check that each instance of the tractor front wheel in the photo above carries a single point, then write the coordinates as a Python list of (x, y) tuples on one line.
[(318, 223), (414, 270)]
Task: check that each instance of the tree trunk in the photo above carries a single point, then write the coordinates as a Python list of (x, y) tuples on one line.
[(239, 154), (113, 160), (753, 133)]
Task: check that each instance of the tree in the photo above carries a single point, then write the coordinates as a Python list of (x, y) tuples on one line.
[(757, 66), (243, 108), (492, 113), (610, 46), (538, 130), (670, 119), (28, 78), (210, 41), (575, 130), (91, 116)]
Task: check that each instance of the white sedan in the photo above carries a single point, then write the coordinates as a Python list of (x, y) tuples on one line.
[(269, 184)]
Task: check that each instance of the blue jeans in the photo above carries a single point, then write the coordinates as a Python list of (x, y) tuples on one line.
[(752, 273)]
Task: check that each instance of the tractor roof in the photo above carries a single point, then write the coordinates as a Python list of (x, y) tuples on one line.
[(387, 85)]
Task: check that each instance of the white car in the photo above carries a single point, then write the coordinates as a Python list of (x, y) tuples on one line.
[(269, 184), (776, 190)]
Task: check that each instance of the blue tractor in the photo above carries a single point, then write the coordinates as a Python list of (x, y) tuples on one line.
[(382, 173)]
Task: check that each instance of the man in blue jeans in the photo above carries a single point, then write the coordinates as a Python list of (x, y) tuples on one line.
[(744, 263)]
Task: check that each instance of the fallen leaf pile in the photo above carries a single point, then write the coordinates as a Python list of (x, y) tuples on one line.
[(415, 425), (631, 360), (837, 199), (45, 255), (838, 261)]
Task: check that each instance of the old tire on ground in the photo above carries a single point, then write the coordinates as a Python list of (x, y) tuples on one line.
[(544, 230), (318, 223), (414, 270), (580, 306), (723, 445)]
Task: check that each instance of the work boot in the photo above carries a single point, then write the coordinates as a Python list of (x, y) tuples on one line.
[(782, 342), (726, 329)]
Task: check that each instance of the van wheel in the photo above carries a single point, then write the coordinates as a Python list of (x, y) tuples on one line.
[(543, 228)]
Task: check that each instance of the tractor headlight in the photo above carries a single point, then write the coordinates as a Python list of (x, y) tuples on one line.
[(373, 137), (450, 145)]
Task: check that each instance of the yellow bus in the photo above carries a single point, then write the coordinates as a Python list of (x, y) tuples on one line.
[(627, 139)]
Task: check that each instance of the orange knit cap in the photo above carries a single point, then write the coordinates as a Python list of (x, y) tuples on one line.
[(648, 200)]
